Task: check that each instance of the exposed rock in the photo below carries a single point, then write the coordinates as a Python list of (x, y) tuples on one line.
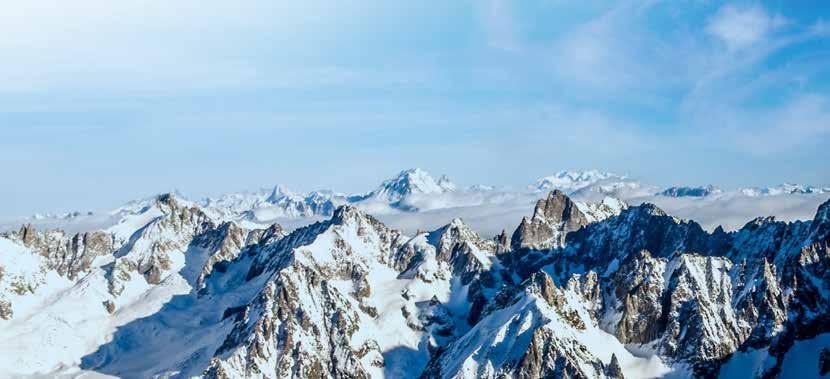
[(547, 358), (224, 244), (314, 303), (109, 305), (613, 370), (27, 235), (639, 285), (6, 312), (68, 255), (552, 219)]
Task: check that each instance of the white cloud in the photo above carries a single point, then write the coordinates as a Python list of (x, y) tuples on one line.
[(742, 27), (137, 45), (616, 54), (804, 119)]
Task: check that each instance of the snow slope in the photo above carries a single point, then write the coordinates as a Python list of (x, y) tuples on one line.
[(598, 290)]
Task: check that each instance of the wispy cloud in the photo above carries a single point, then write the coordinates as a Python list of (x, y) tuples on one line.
[(740, 27), (495, 84), (802, 120)]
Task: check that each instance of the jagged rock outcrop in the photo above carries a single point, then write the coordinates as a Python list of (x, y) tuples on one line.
[(547, 358), (638, 286), (613, 370), (109, 305), (6, 311), (668, 282), (320, 291), (553, 217), (149, 249), (539, 331), (226, 242), (282, 330), (69, 255), (570, 295)]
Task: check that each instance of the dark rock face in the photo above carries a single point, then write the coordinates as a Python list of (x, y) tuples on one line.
[(824, 362), (546, 359), (552, 219), (458, 245), (613, 370), (698, 297), (226, 242), (695, 297), (639, 286), (27, 235), (109, 305)]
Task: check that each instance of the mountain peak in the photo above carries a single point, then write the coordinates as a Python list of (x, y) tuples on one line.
[(557, 207), (572, 180), (645, 210), (280, 192), (413, 181), (553, 217), (346, 213), (457, 222), (167, 201), (685, 191)]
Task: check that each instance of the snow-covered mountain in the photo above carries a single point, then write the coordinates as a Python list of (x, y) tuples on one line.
[(411, 182), (783, 189), (570, 181), (266, 205), (684, 191), (281, 203), (414, 198), (579, 289)]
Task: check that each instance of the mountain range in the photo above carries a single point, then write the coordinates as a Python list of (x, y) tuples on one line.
[(576, 288), (414, 199)]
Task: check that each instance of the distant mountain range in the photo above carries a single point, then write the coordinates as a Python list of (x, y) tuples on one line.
[(414, 192)]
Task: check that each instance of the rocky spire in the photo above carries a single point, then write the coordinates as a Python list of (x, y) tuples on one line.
[(613, 370), (552, 219), (449, 236), (27, 234), (502, 242)]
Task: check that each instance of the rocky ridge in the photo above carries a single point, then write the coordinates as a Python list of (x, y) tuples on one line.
[(574, 292)]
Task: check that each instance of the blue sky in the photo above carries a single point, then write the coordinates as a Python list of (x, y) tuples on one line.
[(103, 102)]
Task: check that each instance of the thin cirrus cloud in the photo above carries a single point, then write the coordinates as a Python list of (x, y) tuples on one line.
[(741, 27), (570, 84), (711, 79)]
